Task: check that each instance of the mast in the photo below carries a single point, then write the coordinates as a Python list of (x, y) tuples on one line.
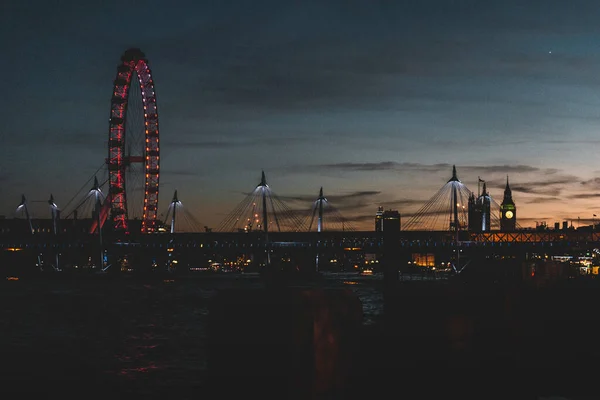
[(54, 213), (454, 181), (484, 209), (174, 203), (455, 205), (97, 210), (264, 187), (54, 210), (321, 199), (23, 205), (263, 184), (170, 248)]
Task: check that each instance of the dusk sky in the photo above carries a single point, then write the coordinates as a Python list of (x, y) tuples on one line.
[(373, 101)]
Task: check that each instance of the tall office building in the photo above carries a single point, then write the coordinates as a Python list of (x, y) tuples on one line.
[(391, 221), (388, 220), (379, 220)]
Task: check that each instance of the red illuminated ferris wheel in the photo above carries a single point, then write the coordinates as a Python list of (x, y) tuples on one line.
[(133, 144)]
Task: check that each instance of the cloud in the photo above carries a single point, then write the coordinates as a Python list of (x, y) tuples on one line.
[(379, 166), (500, 171), (239, 65), (535, 220), (297, 198), (398, 204), (297, 70), (585, 196), (361, 218), (539, 200), (514, 169), (354, 195), (434, 168), (231, 143), (180, 173), (592, 183), (524, 188), (67, 137), (338, 198), (547, 187), (200, 144)]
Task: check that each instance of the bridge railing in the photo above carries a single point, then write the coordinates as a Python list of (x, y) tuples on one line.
[(534, 237)]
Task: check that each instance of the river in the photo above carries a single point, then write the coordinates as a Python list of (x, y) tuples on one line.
[(140, 337)]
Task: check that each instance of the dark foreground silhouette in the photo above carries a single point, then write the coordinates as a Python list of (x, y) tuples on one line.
[(435, 340), (484, 341), (195, 339)]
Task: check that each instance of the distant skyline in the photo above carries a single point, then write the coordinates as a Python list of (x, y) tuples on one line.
[(373, 101)]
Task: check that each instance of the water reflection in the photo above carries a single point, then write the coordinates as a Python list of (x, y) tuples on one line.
[(137, 336)]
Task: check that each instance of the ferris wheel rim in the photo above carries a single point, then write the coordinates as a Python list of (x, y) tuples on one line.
[(133, 62)]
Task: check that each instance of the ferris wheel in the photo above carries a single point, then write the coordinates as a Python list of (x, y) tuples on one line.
[(133, 146)]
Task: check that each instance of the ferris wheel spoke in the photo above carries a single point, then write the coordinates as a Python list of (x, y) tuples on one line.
[(133, 142)]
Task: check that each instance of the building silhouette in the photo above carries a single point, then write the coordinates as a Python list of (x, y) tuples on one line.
[(508, 211), (379, 220), (387, 221), (480, 212)]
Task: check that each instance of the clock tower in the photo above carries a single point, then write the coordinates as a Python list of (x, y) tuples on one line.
[(508, 211)]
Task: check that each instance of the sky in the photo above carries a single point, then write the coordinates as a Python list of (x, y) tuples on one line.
[(372, 100)]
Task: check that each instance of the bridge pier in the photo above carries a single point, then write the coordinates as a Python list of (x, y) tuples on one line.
[(391, 261)]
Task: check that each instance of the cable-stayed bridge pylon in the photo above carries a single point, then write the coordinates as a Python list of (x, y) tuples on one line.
[(262, 211), (325, 217)]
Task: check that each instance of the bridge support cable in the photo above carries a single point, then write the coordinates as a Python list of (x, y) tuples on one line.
[(312, 218), (77, 196), (233, 218), (431, 211), (181, 219), (428, 217), (275, 217), (446, 210), (22, 207), (83, 205), (329, 218), (262, 211)]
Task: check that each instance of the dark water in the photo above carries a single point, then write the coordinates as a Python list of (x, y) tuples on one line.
[(140, 338), (147, 339)]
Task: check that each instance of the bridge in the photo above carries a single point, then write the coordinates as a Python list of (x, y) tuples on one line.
[(120, 213), (311, 250)]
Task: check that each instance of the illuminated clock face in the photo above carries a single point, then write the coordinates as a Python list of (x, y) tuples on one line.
[(509, 214)]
